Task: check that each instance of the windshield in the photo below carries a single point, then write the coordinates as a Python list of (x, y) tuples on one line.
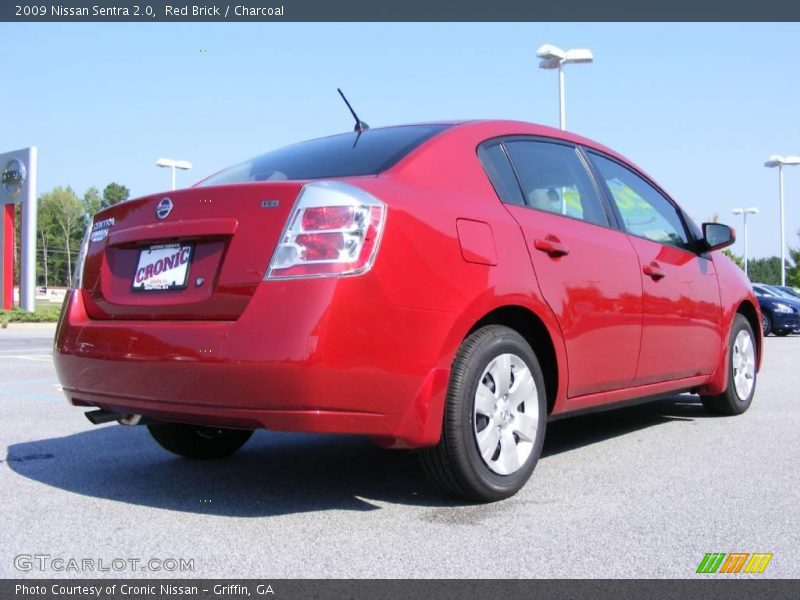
[(346, 155), (790, 291), (760, 291), (780, 292)]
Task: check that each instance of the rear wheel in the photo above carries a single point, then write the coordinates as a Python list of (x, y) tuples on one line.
[(741, 372), (494, 419), (195, 441)]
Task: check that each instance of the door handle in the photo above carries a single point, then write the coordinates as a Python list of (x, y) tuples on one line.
[(654, 271), (552, 246)]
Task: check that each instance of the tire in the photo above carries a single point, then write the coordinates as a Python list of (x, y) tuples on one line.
[(782, 332), (490, 440), (195, 441), (766, 324), (741, 372)]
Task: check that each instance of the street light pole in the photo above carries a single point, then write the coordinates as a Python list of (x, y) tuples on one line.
[(555, 58), (173, 164), (744, 212), (780, 162), (562, 108), (783, 226)]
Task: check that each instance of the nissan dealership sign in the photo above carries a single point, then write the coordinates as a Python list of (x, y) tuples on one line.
[(18, 186)]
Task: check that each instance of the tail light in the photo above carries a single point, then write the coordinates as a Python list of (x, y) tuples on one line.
[(334, 229), (77, 273)]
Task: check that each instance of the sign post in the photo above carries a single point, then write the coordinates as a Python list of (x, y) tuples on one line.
[(18, 186)]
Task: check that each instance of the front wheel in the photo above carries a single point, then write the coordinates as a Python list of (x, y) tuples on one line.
[(494, 418), (741, 372), (766, 324), (195, 441)]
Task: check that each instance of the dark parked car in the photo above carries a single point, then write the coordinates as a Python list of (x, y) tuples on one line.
[(780, 314)]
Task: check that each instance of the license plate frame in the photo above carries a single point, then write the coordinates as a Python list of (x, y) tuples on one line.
[(174, 278)]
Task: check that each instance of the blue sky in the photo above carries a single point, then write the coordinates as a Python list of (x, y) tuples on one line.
[(698, 106)]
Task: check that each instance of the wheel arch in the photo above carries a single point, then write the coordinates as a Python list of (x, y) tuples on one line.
[(531, 327), (750, 312), (718, 382), (422, 424)]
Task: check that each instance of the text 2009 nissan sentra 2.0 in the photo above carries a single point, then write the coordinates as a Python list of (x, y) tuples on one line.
[(448, 287)]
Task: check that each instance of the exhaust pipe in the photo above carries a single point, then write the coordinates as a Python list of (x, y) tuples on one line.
[(99, 416)]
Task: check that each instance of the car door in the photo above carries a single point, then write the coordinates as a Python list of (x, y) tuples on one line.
[(681, 334), (587, 272)]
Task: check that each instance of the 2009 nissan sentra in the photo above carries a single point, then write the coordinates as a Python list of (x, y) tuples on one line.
[(449, 287)]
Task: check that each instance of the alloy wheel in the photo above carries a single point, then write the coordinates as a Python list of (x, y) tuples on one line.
[(744, 364)]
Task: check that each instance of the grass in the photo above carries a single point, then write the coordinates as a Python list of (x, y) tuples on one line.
[(45, 313)]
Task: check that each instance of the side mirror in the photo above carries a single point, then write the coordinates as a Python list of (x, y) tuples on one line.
[(717, 235)]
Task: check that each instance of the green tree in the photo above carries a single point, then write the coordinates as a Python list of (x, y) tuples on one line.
[(45, 228), (114, 193), (738, 260), (765, 270), (62, 212), (793, 272), (92, 201)]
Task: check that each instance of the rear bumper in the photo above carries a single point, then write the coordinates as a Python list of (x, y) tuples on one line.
[(306, 355)]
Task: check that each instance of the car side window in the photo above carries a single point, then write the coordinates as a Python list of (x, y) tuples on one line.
[(645, 211), (554, 179), (495, 163)]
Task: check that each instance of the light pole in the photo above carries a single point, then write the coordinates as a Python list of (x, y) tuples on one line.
[(782, 161), (555, 58), (744, 212), (174, 164)]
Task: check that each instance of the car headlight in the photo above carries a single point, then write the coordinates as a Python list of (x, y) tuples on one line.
[(782, 308)]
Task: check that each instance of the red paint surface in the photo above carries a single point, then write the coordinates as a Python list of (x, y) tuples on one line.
[(371, 354)]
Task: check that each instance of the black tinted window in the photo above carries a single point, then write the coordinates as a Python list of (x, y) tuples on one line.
[(554, 179), (345, 155), (495, 163)]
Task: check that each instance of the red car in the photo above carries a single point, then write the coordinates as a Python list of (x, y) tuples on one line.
[(449, 287)]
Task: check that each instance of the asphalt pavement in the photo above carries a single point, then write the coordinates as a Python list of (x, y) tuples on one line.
[(644, 491)]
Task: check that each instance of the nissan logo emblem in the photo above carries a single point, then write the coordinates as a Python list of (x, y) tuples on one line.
[(163, 208), (14, 177)]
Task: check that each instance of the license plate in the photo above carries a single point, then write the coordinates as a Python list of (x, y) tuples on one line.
[(162, 267)]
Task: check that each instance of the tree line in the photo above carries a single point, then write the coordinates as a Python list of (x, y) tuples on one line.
[(62, 217), (768, 270)]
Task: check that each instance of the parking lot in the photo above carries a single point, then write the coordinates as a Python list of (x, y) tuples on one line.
[(644, 491)]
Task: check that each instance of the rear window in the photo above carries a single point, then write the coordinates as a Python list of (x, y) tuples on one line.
[(345, 155)]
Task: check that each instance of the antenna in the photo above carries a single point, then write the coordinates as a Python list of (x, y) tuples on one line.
[(360, 125)]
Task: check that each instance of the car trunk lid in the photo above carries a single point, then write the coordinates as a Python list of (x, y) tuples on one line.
[(190, 254)]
